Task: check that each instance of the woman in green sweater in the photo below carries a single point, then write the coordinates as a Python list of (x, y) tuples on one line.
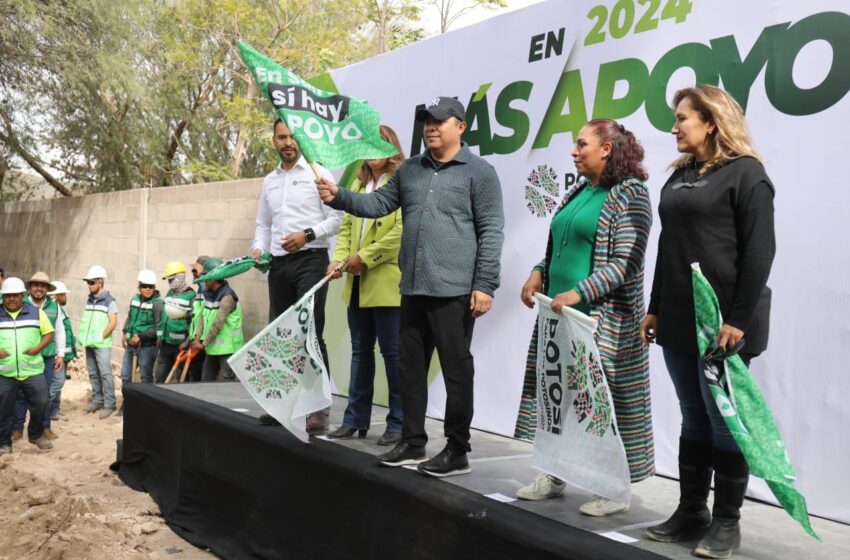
[(594, 263)]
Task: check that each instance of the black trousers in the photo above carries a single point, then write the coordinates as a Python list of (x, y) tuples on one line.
[(215, 364), (165, 358), (290, 277), (444, 323)]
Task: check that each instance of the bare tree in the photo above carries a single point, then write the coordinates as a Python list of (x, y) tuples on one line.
[(391, 19), (451, 10)]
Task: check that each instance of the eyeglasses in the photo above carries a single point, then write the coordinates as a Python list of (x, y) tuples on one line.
[(91, 282), (146, 287)]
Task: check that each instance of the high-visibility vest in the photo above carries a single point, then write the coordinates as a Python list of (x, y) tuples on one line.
[(70, 351), (175, 331), (95, 320), (197, 312), (17, 335), (141, 317), (51, 309), (230, 338)]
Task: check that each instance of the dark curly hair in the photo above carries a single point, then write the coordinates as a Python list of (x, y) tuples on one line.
[(626, 159)]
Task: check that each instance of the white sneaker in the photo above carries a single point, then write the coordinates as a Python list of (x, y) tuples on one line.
[(600, 507), (543, 487)]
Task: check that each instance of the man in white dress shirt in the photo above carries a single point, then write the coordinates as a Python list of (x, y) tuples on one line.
[(296, 227)]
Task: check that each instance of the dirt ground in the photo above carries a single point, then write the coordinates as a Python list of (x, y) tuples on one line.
[(66, 504)]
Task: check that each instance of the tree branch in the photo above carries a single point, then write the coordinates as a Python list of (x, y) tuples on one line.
[(12, 142)]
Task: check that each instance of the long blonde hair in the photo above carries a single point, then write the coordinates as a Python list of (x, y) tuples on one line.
[(731, 137), (394, 162)]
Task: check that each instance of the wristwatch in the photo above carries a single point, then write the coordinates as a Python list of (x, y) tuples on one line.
[(309, 235)]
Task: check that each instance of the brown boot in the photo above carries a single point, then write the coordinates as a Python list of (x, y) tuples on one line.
[(318, 422), (16, 435), (42, 443), (48, 433)]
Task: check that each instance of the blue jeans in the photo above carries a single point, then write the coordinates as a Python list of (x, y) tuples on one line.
[(100, 375), (147, 357), (55, 391), (22, 403), (35, 392), (701, 419), (368, 324)]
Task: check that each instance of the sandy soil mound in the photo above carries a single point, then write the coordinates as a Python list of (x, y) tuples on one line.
[(66, 504)]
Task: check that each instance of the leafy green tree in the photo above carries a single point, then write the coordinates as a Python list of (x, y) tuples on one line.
[(98, 96)]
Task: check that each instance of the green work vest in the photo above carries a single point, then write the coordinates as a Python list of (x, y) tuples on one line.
[(230, 337), (141, 317), (51, 309), (70, 341), (95, 320), (19, 334), (197, 311), (175, 331)]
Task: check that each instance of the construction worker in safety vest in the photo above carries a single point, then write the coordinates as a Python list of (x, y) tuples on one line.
[(25, 331), (60, 296), (38, 286), (140, 330), (219, 327), (100, 317), (175, 322), (197, 365)]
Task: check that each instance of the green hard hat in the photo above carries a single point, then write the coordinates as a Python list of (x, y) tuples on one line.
[(211, 263)]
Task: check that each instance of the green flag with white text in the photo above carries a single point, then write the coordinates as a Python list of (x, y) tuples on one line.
[(743, 407), (331, 129)]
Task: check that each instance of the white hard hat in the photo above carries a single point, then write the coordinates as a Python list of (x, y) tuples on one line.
[(59, 288), (174, 310), (13, 286), (95, 272), (147, 276)]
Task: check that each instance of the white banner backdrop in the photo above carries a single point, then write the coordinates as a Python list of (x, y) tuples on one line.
[(532, 77)]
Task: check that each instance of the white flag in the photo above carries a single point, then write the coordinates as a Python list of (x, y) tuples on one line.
[(283, 369), (577, 438)]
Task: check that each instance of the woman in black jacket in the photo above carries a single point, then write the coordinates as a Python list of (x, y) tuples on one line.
[(716, 209)]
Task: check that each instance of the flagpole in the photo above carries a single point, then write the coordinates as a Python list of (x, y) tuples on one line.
[(315, 170), (585, 320)]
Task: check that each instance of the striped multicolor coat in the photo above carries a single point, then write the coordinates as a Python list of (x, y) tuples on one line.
[(615, 293)]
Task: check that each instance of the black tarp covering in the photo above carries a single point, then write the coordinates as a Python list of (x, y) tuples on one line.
[(243, 490)]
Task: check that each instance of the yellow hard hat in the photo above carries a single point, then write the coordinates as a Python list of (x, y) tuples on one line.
[(172, 268)]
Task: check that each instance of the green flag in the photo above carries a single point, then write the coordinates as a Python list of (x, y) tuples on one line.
[(331, 129), (743, 407), (235, 267)]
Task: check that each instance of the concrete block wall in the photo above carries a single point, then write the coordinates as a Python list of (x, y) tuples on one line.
[(130, 230)]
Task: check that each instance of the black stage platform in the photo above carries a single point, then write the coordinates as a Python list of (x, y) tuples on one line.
[(243, 490)]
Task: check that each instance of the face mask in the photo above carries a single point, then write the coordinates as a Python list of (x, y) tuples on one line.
[(178, 282)]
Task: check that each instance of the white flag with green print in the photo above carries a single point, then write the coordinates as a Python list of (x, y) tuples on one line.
[(282, 367), (577, 438)]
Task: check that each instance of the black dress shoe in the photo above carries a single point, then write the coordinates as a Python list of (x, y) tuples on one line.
[(389, 438), (402, 454), (446, 463), (268, 420), (345, 432)]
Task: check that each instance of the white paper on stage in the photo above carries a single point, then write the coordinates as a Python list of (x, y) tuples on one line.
[(577, 438), (282, 367)]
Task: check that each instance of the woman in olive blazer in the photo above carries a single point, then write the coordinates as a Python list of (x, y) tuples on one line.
[(367, 251)]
